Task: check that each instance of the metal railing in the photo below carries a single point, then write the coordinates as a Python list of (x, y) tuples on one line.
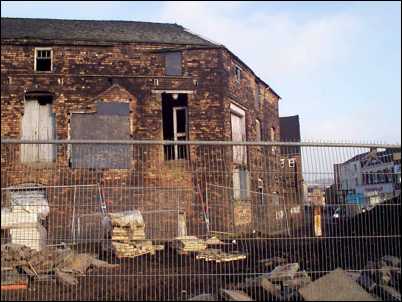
[(283, 200)]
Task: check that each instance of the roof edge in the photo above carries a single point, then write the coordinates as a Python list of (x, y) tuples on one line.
[(252, 71)]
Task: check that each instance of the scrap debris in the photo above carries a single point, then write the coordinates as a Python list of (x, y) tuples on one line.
[(126, 235), (19, 262), (379, 280), (219, 256), (192, 244), (235, 295), (214, 241), (186, 244)]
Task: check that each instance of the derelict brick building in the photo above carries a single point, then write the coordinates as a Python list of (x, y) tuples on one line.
[(70, 79)]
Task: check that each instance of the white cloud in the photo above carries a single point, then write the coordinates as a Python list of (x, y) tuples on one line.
[(292, 52), (270, 43)]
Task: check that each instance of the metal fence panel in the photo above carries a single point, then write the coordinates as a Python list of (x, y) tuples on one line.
[(288, 206)]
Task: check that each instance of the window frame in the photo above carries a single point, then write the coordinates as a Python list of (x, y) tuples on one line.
[(238, 71), (36, 49), (177, 135), (293, 161)]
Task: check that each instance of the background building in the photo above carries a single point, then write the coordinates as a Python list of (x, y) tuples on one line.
[(371, 177)]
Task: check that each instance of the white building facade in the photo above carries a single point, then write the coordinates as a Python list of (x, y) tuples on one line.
[(370, 175)]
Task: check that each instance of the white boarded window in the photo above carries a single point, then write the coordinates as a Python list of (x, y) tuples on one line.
[(241, 184), (238, 124)]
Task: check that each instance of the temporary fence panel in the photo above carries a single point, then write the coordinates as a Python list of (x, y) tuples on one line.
[(276, 225)]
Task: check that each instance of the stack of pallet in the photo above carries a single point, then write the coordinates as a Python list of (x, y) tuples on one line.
[(127, 235), (214, 241), (186, 244), (219, 256)]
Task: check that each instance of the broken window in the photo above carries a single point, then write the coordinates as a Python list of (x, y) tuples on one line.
[(43, 59), (110, 122), (237, 73), (292, 163), (173, 64), (38, 123), (175, 124), (241, 184), (258, 130)]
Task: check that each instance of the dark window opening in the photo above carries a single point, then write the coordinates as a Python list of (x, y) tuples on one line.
[(173, 64), (175, 124), (238, 73), (43, 60)]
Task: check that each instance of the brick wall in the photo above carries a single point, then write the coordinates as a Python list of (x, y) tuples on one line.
[(83, 74)]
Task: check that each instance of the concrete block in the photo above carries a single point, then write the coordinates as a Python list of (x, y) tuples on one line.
[(283, 272), (335, 286)]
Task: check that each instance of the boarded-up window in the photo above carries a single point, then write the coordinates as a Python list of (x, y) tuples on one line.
[(173, 64), (108, 124), (121, 109), (238, 133), (241, 184), (38, 123)]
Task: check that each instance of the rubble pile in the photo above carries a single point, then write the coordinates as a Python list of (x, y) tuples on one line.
[(379, 280), (126, 235), (19, 262)]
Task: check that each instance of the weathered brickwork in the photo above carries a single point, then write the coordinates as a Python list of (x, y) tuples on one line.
[(84, 73)]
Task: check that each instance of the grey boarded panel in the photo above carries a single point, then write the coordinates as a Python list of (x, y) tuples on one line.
[(100, 127), (103, 108), (173, 63)]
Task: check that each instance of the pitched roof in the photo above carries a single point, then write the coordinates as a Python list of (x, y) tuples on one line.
[(98, 31), (382, 155)]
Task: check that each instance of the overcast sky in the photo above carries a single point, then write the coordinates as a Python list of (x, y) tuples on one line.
[(337, 65)]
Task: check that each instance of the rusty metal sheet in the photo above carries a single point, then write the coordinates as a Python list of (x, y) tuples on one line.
[(104, 127), (115, 108)]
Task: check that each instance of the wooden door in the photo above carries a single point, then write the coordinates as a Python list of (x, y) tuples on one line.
[(30, 131), (37, 124), (46, 132)]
